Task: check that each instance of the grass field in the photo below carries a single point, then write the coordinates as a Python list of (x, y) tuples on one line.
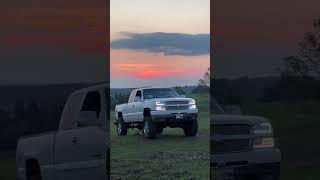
[(296, 126), (170, 156), (7, 165), (173, 156)]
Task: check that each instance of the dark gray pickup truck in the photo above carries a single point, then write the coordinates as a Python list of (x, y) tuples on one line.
[(242, 147)]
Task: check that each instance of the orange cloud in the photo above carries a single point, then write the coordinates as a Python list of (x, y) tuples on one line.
[(142, 71), (144, 65)]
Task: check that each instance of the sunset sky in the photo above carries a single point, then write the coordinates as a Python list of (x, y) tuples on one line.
[(159, 43), (45, 42), (252, 37), (153, 42)]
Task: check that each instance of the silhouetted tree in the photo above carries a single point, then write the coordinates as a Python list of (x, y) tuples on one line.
[(307, 61), (179, 90), (205, 81), (204, 84)]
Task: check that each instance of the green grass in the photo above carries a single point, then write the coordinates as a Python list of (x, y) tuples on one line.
[(296, 126), (170, 156), (173, 156), (7, 165)]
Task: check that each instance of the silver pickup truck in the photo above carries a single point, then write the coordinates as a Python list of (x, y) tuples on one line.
[(78, 149), (152, 109), (242, 147)]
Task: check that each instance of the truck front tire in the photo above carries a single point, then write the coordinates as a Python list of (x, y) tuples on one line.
[(149, 129), (191, 129), (33, 170), (121, 127)]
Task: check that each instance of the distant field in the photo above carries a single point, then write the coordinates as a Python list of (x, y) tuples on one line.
[(170, 156), (296, 127)]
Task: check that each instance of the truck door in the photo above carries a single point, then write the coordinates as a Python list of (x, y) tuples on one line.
[(128, 115), (138, 107), (80, 152)]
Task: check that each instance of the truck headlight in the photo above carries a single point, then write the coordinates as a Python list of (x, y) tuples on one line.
[(263, 142), (263, 128), (192, 104), (160, 106)]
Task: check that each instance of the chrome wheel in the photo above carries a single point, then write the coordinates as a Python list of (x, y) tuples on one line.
[(119, 128), (146, 128)]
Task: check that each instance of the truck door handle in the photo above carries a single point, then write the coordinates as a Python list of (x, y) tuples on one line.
[(74, 139)]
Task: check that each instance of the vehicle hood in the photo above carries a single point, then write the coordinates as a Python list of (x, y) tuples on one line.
[(222, 119), (170, 99)]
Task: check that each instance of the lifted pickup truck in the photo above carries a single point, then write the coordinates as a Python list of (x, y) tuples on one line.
[(152, 109), (80, 147), (242, 147)]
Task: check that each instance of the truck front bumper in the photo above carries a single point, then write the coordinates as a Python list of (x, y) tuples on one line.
[(174, 117), (257, 163)]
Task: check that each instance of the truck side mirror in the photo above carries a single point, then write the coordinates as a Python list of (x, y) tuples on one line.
[(232, 110), (88, 118)]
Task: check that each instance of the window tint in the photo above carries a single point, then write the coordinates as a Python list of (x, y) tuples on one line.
[(92, 103), (159, 93), (139, 94), (70, 111), (216, 108)]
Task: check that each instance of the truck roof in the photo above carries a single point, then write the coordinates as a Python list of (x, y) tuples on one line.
[(150, 87), (91, 88)]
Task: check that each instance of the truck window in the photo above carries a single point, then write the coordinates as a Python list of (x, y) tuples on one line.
[(92, 103), (216, 108), (159, 93), (70, 111), (139, 94), (132, 95)]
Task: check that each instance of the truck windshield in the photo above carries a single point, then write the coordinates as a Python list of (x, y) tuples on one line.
[(159, 93), (216, 107)]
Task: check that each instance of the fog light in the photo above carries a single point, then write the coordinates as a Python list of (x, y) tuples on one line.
[(160, 108), (267, 142)]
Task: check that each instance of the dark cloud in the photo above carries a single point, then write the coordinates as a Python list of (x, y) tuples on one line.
[(166, 43), (51, 65), (255, 62)]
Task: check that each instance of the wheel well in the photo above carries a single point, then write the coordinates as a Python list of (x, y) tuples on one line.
[(119, 114), (32, 168), (146, 112)]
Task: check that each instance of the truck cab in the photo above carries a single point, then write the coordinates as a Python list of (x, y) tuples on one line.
[(78, 149)]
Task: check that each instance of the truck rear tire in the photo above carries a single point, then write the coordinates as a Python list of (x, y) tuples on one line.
[(149, 129), (191, 129), (122, 129)]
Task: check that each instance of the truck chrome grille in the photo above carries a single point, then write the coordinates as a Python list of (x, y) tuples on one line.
[(230, 145), (177, 105), (176, 102), (184, 107), (231, 129)]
